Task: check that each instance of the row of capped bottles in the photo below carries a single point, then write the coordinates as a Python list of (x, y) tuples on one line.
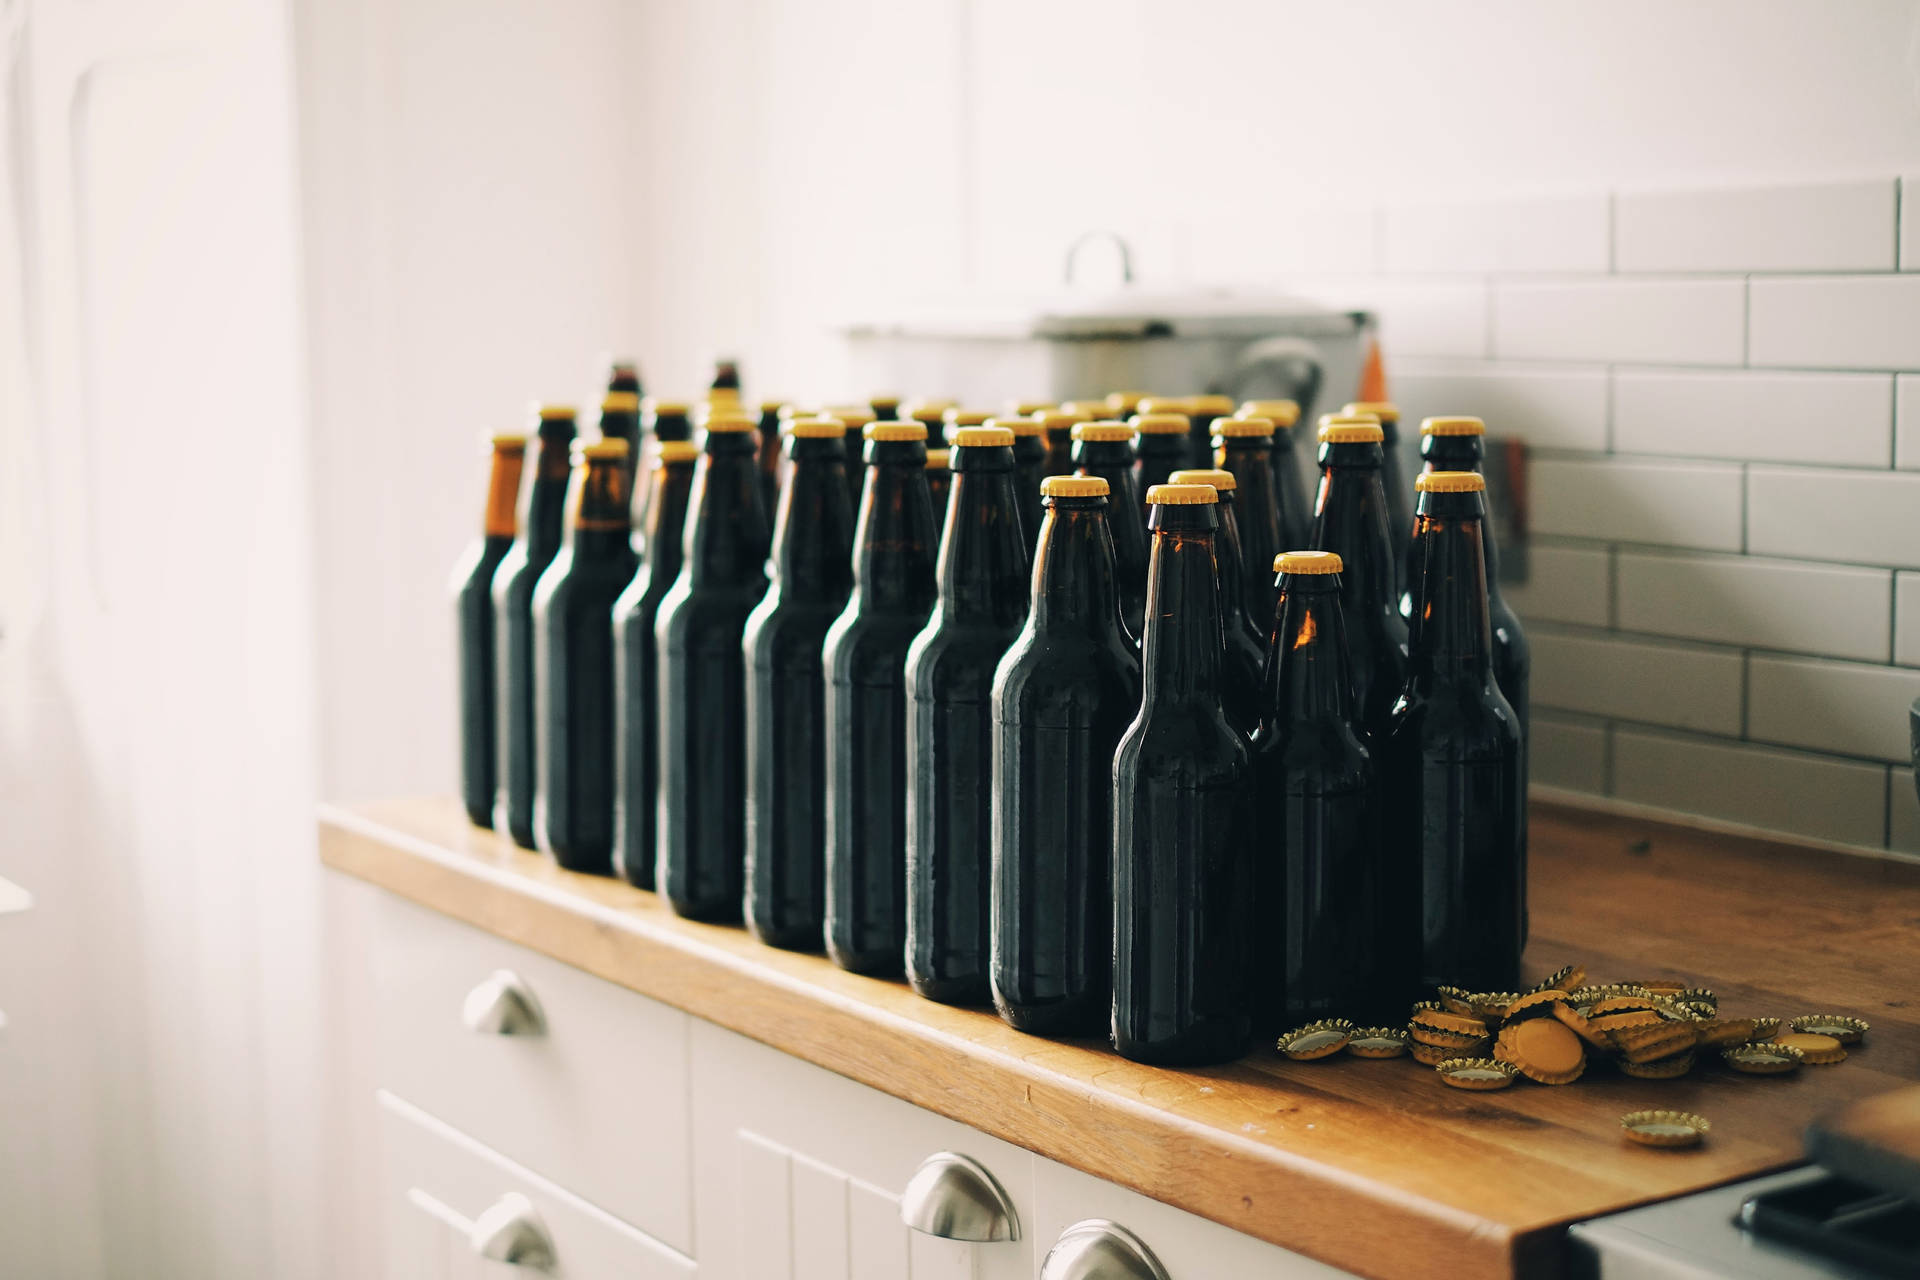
[(901, 739)]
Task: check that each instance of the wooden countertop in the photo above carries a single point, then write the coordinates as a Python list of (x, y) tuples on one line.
[(1373, 1166)]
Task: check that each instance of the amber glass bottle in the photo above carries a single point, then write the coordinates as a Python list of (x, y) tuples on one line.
[(1162, 446), (1058, 425), (1105, 449), (1029, 469), (1063, 695), (1396, 474), (542, 524), (768, 454), (636, 666), (702, 678), (620, 420), (1246, 647), (940, 482), (1295, 480), (473, 613), (855, 419), (786, 691), (660, 421), (1316, 846), (1245, 446), (865, 658), (1351, 521), (1183, 874), (1452, 763), (573, 664), (983, 579)]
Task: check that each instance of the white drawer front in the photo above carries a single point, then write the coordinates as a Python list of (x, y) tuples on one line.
[(443, 1192), (598, 1101)]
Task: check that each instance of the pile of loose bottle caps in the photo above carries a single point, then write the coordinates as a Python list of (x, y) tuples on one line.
[(1551, 1034)]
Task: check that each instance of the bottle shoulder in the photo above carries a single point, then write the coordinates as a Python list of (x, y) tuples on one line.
[(1325, 750), (1459, 719), (1192, 742)]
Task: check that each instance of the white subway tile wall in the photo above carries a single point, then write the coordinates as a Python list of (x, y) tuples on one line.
[(1720, 390)]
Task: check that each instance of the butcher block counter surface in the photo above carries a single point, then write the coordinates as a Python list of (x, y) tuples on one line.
[(1373, 1166)]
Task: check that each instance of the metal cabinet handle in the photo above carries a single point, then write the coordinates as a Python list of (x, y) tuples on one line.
[(1100, 1250), (952, 1197), (511, 1232), (503, 1006)]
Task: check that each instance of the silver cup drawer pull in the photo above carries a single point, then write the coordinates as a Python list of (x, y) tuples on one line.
[(503, 1005), (511, 1231), (954, 1198), (1100, 1250)]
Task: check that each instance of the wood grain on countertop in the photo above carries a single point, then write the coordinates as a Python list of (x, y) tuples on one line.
[(1369, 1165)]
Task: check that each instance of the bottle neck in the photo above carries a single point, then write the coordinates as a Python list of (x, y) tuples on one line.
[(1166, 444), (665, 518), (983, 554), (503, 492), (813, 533), (598, 518), (1450, 638), (1350, 517), (543, 520), (726, 542), (672, 426), (1452, 453), (1103, 458), (1073, 574), (1185, 636), (893, 564), (1309, 675)]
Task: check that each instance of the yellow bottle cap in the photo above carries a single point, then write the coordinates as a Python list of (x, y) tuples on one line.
[(1220, 480), (1124, 404), (1027, 408), (1217, 406), (1162, 424), (1060, 419), (1108, 432), (1085, 409), (664, 408), (896, 431), (555, 412), (678, 451), (1306, 562), (509, 442), (1450, 482), (1351, 433), (1242, 428), (982, 438), (817, 429), (1019, 425), (1182, 495), (601, 450), (725, 420), (1385, 410), (620, 402), (1453, 427), (886, 398), (1282, 413), (854, 415), (965, 417), (927, 410), (772, 406), (938, 459), (1074, 487)]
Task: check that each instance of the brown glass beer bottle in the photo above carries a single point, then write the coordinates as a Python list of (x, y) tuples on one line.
[(1162, 446), (1105, 449), (1246, 647), (1245, 446), (473, 614), (1351, 521)]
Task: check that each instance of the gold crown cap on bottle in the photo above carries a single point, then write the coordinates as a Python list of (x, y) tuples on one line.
[(1103, 431), (895, 431), (1453, 427), (1162, 424), (926, 410), (725, 420), (1217, 406), (816, 429), (1450, 482), (854, 415), (555, 412), (982, 438), (678, 451), (1307, 562), (601, 450), (1351, 432), (1019, 424), (958, 417), (772, 406), (1282, 413), (619, 402), (1243, 428), (1164, 404), (1055, 419), (1182, 495), (508, 442), (1385, 410), (1074, 487), (1220, 480), (884, 397), (664, 408)]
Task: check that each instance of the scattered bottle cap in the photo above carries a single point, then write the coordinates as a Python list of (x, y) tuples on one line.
[(1378, 1042), (1664, 1128), (1478, 1074), (1815, 1050), (1842, 1028), (1316, 1039), (1762, 1059)]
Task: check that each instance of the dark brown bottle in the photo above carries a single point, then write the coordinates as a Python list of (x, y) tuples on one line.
[(955, 418), (768, 455), (573, 664), (1316, 843), (1058, 426), (1246, 649), (939, 482), (866, 656), (660, 421), (982, 578), (702, 678), (636, 667), (855, 419), (1203, 412), (1295, 480), (1452, 764), (473, 613), (620, 420), (1351, 521), (1029, 469), (1183, 874), (1459, 444), (1105, 449), (624, 375), (786, 691), (1162, 447), (1063, 695), (1397, 475), (1245, 446), (542, 522)]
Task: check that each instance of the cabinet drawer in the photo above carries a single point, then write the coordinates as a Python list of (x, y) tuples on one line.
[(596, 1099), (446, 1195)]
